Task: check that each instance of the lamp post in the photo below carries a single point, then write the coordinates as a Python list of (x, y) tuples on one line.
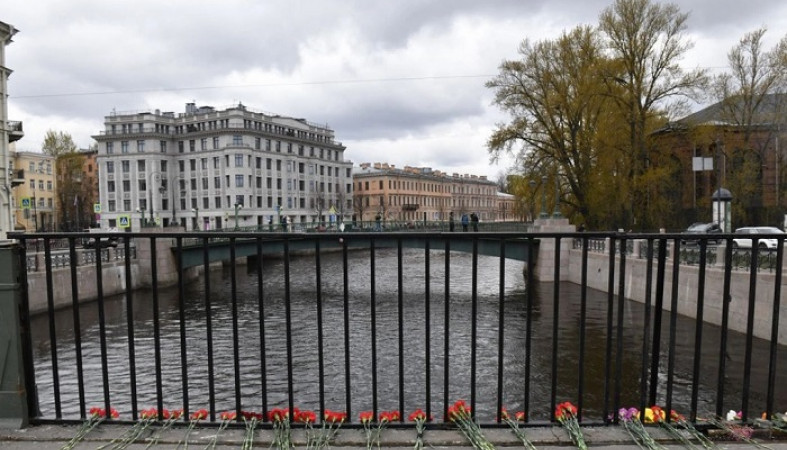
[(196, 218), (531, 213), (142, 222), (556, 212), (543, 213), (237, 207)]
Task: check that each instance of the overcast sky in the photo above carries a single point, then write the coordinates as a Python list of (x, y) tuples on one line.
[(399, 81)]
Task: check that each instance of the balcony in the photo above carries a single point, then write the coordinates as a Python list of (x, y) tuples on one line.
[(15, 132)]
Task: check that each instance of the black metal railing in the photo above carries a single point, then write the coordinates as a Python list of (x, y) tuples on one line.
[(384, 321)]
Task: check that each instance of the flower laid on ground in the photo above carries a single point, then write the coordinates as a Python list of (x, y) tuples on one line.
[(460, 414), (170, 417), (778, 422), (194, 419), (630, 418), (308, 418), (95, 416), (280, 418), (419, 417), (566, 414), (682, 430), (519, 416), (146, 419), (226, 417), (330, 426), (738, 431), (373, 432), (251, 419)]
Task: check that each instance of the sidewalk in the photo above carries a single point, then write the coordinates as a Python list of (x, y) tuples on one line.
[(53, 437)]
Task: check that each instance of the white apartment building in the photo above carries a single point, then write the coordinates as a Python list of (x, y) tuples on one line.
[(207, 168)]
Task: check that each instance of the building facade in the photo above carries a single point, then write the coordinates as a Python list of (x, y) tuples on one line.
[(35, 191), (211, 169), (9, 132), (420, 194)]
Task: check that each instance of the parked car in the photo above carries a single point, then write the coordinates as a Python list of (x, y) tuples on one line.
[(762, 243), (101, 242), (695, 231)]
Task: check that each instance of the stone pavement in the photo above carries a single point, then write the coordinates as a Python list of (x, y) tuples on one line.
[(53, 437)]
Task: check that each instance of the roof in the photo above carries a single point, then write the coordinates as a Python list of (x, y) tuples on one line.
[(727, 112)]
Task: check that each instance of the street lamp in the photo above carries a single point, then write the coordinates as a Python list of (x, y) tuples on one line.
[(237, 207), (556, 212), (196, 218), (544, 213), (142, 222)]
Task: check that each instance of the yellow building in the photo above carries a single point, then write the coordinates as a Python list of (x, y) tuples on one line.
[(420, 194), (33, 200)]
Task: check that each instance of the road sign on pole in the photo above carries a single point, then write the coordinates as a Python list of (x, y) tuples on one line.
[(97, 208), (124, 222), (26, 203)]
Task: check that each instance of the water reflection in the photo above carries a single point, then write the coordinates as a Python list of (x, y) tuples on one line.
[(269, 384)]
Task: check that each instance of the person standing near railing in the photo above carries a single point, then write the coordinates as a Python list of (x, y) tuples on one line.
[(474, 219), (451, 221), (465, 221)]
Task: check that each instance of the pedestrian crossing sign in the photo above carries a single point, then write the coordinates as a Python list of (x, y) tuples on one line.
[(26, 203), (124, 222), (97, 208)]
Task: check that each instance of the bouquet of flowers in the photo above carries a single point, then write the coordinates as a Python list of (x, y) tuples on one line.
[(330, 426), (684, 425), (566, 414), (251, 419), (280, 418), (95, 417), (194, 419), (459, 413), (519, 416), (373, 432), (170, 417), (226, 417), (732, 426), (631, 422), (146, 419), (419, 417)]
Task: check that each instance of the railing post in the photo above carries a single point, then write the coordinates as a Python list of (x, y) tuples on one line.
[(13, 395)]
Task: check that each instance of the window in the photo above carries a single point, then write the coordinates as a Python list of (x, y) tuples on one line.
[(257, 143), (125, 165), (258, 163), (110, 167), (111, 205), (123, 146), (238, 160), (278, 165), (215, 143), (268, 163), (110, 149), (237, 139), (217, 200), (180, 146), (238, 180), (163, 146), (216, 162), (278, 146), (140, 165), (126, 186), (140, 146), (163, 167), (217, 182), (192, 145), (203, 163), (238, 200), (110, 186), (142, 185)]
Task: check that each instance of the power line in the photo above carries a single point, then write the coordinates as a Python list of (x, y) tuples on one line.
[(304, 83)]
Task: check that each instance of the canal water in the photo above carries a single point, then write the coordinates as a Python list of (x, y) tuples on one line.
[(270, 386)]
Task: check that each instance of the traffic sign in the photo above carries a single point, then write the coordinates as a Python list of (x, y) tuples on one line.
[(124, 222), (97, 208), (26, 203)]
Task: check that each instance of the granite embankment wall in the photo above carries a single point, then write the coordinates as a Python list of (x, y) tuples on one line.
[(635, 283), (113, 275)]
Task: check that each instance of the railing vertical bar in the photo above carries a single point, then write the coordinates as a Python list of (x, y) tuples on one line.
[(50, 299), (156, 323), (610, 321), (209, 329), (346, 306), (774, 347), (184, 372), (261, 318), (102, 333), (698, 330), (583, 302), (474, 327), (621, 245), (657, 317), (725, 319), (132, 369), (77, 328), (447, 327), (529, 325), (749, 329), (643, 375), (673, 325), (288, 320), (320, 349), (427, 331), (235, 334), (501, 328), (400, 310), (373, 316)]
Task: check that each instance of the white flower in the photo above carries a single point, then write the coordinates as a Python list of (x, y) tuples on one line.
[(732, 415)]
